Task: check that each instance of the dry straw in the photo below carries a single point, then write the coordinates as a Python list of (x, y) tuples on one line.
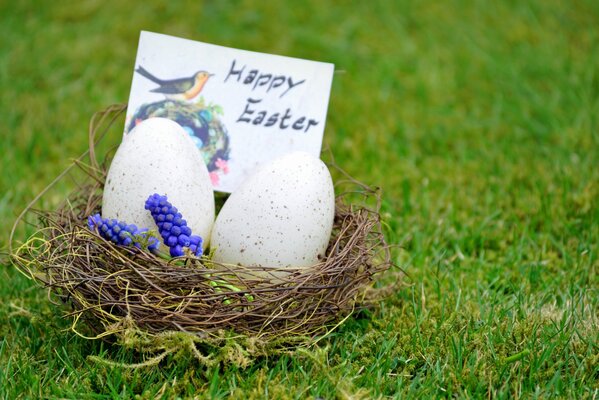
[(117, 290)]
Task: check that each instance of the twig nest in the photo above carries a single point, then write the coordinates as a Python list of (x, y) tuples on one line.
[(282, 216), (110, 286)]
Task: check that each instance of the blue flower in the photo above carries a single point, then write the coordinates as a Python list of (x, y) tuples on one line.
[(206, 115), (172, 227), (197, 141), (189, 131), (120, 233)]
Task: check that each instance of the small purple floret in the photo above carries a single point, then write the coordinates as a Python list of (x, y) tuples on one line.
[(177, 251)]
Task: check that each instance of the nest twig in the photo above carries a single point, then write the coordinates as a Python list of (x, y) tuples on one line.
[(110, 286)]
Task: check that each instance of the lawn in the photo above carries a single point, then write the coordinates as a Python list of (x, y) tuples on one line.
[(478, 119)]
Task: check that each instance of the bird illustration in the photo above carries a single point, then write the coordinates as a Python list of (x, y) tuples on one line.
[(178, 89)]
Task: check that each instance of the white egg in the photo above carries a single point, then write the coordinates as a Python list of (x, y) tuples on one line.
[(282, 216), (158, 156)]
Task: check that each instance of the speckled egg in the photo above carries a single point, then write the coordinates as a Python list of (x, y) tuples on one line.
[(158, 156), (282, 216)]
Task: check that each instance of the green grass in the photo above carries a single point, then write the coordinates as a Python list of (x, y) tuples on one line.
[(479, 120)]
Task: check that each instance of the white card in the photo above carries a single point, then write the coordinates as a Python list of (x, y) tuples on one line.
[(241, 108)]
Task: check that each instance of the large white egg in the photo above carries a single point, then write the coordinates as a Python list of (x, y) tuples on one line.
[(282, 216), (158, 156)]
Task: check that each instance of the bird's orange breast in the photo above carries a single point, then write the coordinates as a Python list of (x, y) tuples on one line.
[(195, 90)]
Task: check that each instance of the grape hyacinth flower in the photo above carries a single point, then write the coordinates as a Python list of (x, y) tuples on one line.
[(122, 234), (172, 227)]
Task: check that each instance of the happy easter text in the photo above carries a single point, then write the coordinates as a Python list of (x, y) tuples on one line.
[(268, 82)]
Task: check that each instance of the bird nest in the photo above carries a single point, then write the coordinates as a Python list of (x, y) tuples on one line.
[(114, 289)]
